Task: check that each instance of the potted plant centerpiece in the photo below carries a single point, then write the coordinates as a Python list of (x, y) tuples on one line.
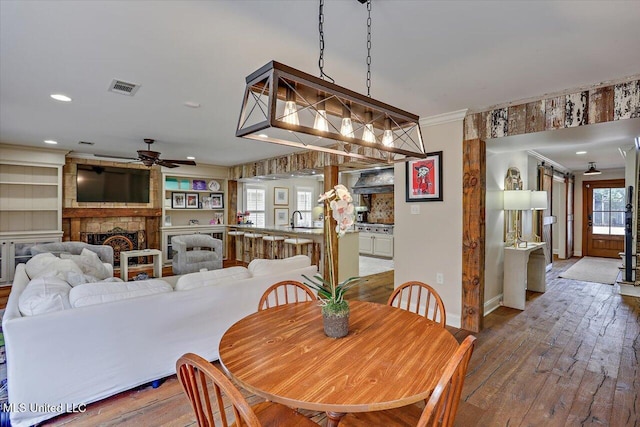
[(335, 309)]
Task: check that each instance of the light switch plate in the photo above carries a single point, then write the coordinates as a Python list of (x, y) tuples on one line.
[(415, 209)]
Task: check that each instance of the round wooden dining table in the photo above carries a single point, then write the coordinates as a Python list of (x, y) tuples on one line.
[(390, 358)]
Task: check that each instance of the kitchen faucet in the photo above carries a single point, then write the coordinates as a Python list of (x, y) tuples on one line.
[(293, 218)]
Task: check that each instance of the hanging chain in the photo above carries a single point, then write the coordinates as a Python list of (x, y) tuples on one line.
[(321, 32), (369, 48)]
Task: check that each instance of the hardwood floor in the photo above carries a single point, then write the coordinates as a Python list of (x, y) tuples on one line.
[(571, 358)]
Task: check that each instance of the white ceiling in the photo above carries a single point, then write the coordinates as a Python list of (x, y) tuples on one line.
[(428, 57)]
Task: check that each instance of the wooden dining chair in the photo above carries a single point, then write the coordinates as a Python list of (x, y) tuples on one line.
[(285, 292), (417, 296), (205, 386), (441, 407)]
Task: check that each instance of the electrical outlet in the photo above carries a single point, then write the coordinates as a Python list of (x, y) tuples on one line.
[(415, 209), (439, 278)]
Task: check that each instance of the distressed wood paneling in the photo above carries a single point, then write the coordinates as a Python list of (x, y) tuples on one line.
[(517, 117), (473, 239), (576, 109), (554, 112), (626, 100), (484, 126), (499, 123), (536, 114), (601, 105), (471, 126)]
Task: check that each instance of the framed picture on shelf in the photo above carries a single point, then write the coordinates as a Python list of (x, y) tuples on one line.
[(280, 196), (217, 200), (281, 216), (178, 201), (192, 200), (199, 184), (424, 179)]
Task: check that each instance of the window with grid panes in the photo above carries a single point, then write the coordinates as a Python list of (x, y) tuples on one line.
[(608, 211), (255, 203), (304, 204)]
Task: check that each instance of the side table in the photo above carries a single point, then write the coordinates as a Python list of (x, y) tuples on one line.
[(124, 261)]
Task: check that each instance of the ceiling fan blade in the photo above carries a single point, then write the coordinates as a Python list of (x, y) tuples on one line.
[(180, 162), (148, 154), (166, 164)]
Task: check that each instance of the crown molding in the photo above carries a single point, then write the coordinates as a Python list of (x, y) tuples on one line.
[(440, 119)]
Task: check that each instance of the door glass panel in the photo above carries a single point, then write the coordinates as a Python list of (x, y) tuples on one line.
[(608, 211)]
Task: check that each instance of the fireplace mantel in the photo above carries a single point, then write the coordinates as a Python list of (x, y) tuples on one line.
[(109, 212)]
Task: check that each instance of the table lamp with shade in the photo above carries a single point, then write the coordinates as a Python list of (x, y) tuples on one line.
[(517, 200)]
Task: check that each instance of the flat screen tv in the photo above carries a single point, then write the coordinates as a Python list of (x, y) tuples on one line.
[(111, 184)]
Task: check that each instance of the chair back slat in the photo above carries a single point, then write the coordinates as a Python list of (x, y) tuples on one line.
[(196, 375), (442, 406), (416, 296), (285, 292)]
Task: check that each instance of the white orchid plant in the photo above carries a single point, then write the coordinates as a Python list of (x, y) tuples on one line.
[(339, 202)]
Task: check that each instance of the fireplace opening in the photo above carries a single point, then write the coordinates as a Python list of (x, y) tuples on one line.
[(119, 239)]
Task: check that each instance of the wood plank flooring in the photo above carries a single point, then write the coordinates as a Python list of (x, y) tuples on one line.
[(571, 358)]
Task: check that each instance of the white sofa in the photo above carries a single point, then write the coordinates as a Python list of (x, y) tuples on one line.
[(65, 359)]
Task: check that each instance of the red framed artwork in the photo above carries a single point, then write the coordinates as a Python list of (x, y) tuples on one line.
[(424, 179)]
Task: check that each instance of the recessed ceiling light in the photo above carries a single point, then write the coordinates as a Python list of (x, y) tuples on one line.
[(263, 135), (581, 152), (60, 97), (190, 158), (192, 104), (50, 141)]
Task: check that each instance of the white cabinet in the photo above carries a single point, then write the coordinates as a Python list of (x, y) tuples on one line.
[(16, 249), (376, 244)]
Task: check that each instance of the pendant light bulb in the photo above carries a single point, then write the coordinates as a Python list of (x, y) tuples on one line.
[(347, 125), (290, 111), (387, 136), (368, 134), (321, 123)]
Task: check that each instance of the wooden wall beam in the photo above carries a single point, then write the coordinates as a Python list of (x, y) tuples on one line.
[(330, 181), (473, 239)]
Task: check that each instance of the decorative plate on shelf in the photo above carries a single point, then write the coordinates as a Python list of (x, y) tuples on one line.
[(214, 186)]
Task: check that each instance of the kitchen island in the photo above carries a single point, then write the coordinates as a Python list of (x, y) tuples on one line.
[(348, 245)]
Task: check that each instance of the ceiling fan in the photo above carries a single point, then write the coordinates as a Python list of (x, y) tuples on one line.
[(150, 158)]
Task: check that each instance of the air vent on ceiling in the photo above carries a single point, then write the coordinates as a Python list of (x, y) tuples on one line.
[(123, 88), (86, 143)]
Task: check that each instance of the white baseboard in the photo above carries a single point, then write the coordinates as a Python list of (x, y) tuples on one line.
[(453, 320), (556, 251), (577, 253), (492, 304)]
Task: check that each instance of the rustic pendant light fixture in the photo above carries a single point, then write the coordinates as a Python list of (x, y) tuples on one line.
[(286, 106), (592, 169)]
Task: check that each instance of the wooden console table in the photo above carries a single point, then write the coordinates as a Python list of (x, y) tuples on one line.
[(524, 268)]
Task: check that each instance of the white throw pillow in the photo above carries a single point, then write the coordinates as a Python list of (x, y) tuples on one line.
[(213, 277), (40, 264), (44, 295), (263, 267), (101, 292), (89, 263)]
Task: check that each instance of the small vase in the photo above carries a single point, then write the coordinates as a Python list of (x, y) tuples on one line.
[(336, 324)]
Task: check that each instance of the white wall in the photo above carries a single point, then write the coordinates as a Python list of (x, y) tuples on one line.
[(497, 166), (580, 179), (430, 241)]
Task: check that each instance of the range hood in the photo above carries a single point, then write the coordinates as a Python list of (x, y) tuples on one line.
[(374, 182)]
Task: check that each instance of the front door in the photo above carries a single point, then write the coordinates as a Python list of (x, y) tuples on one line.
[(603, 218)]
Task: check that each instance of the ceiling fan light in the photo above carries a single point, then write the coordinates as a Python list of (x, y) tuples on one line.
[(592, 169)]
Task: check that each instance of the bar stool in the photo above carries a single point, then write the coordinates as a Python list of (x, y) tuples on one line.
[(236, 240), (272, 246), (299, 245), (251, 247)]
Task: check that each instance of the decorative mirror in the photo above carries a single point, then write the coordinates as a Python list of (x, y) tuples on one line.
[(512, 181)]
